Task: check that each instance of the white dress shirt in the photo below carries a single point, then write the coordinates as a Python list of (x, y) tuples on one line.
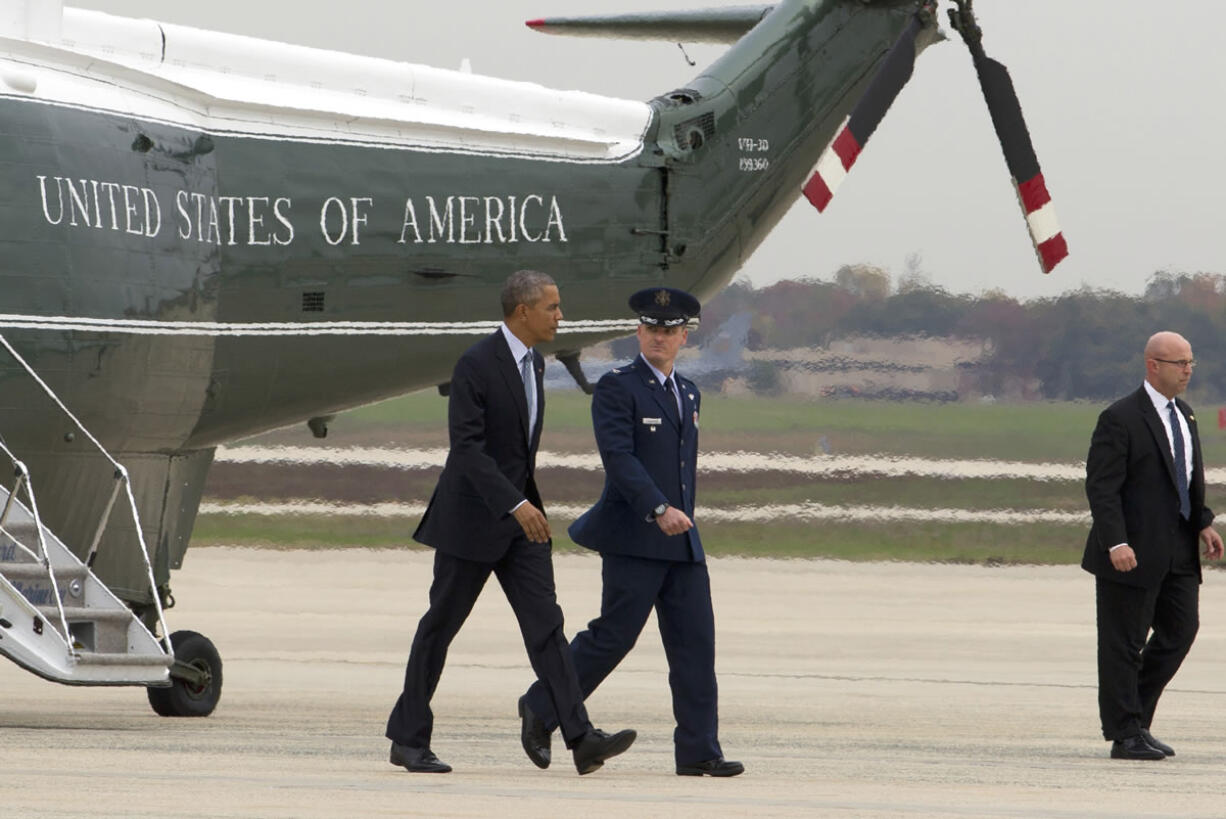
[(518, 351), (663, 378), (1160, 402)]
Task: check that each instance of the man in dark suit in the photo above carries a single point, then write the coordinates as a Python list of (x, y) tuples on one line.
[(646, 421), (486, 516), (1145, 481)]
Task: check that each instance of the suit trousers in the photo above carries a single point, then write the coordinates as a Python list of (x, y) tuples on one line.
[(680, 593), (1133, 671), (525, 573)]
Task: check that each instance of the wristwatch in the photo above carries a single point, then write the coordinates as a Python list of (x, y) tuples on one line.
[(659, 510)]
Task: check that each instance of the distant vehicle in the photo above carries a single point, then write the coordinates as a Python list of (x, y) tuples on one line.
[(206, 236)]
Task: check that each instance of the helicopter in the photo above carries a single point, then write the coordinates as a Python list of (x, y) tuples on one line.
[(207, 236)]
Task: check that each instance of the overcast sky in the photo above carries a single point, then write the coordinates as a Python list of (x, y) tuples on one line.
[(1118, 96)]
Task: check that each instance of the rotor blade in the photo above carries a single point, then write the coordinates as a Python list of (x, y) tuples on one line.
[(1006, 111), (834, 163)]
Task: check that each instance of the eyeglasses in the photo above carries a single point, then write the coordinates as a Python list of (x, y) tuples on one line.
[(1188, 363)]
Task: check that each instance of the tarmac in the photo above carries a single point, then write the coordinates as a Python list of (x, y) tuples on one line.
[(847, 689)]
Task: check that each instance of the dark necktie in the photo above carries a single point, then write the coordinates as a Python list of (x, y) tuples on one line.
[(525, 372), (673, 412), (1181, 475)]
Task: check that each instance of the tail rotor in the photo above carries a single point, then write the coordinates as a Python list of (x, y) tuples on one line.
[(1007, 119), (895, 70)]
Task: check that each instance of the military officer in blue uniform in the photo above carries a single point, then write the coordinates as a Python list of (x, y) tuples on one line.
[(646, 418)]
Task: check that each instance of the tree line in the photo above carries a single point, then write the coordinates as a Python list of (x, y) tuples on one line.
[(1084, 344)]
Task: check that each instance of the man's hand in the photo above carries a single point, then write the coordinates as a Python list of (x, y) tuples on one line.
[(533, 522), (674, 522), (1213, 543), (1124, 559)]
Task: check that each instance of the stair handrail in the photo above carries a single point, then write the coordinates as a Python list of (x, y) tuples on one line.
[(43, 556), (22, 476), (121, 477)]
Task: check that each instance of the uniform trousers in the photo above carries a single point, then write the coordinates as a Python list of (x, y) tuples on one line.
[(680, 593), (1133, 670), (525, 573)]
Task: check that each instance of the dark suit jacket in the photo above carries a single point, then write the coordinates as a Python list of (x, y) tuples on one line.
[(491, 465), (1130, 483), (648, 460)]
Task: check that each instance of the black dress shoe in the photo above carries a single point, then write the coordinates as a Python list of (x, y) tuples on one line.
[(1166, 750), (712, 767), (534, 735), (1134, 747), (418, 760), (597, 746)]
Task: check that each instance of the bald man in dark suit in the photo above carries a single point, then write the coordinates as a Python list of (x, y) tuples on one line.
[(1145, 481)]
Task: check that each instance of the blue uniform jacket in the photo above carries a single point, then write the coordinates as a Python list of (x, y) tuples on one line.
[(648, 460)]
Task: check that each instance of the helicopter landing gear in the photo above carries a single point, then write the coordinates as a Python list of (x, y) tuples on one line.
[(195, 678)]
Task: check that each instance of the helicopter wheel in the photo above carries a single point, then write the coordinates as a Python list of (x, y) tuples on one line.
[(195, 690)]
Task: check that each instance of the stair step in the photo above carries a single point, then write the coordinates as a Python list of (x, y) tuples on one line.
[(35, 571), (17, 550), (77, 613), (94, 658), (23, 532)]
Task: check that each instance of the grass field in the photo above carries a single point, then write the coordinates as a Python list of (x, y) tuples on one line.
[(918, 492), (1031, 432), (1037, 432)]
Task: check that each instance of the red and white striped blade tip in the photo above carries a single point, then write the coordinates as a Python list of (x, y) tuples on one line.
[(1041, 221), (832, 168)]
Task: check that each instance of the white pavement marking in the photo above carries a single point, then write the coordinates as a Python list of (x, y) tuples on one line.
[(739, 461), (879, 465), (856, 466), (739, 514)]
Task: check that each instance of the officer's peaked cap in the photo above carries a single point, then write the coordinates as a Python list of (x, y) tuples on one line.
[(665, 307)]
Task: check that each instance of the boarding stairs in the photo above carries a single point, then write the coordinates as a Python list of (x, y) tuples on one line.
[(57, 619)]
